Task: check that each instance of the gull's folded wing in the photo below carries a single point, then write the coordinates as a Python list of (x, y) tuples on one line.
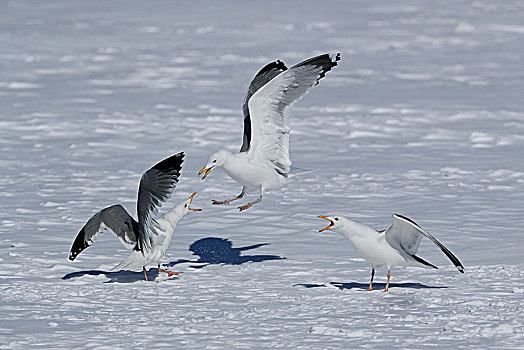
[(405, 235)]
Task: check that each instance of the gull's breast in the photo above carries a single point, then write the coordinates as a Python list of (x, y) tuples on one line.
[(254, 175)]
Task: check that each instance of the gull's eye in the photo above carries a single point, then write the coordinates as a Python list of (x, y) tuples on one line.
[(336, 219), (185, 205), (215, 161)]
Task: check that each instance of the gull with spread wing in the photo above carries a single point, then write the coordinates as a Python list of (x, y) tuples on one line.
[(263, 163), (150, 238), (395, 246)]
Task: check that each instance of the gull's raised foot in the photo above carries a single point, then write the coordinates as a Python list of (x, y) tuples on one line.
[(221, 202), (172, 273), (247, 205), (243, 207), (169, 273)]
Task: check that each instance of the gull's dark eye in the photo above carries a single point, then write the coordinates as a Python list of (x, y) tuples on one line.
[(336, 219), (215, 161), (185, 205)]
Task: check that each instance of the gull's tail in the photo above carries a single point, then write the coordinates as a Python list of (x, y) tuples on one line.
[(134, 261)]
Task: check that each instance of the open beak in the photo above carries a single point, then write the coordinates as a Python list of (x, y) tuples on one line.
[(206, 170), (331, 223), (190, 200)]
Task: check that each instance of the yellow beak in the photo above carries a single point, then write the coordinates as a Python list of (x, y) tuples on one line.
[(207, 171), (191, 199), (331, 223)]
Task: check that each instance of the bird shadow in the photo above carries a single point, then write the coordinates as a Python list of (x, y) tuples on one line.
[(213, 250), (364, 286), (122, 276)]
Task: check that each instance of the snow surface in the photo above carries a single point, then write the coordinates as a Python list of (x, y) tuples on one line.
[(422, 117)]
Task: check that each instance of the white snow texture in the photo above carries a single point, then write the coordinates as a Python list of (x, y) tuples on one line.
[(423, 117)]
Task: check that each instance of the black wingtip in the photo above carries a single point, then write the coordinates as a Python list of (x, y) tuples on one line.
[(453, 258), (326, 61), (170, 163), (277, 65), (79, 245)]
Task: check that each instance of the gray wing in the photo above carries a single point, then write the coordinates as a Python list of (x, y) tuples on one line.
[(114, 218), (269, 109), (405, 235), (156, 186), (267, 73)]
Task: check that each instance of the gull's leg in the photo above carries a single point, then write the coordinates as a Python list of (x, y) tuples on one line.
[(245, 206), (370, 282), (227, 201), (145, 274), (169, 273), (387, 284)]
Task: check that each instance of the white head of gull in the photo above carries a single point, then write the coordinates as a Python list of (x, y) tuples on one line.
[(263, 163), (149, 238), (395, 246)]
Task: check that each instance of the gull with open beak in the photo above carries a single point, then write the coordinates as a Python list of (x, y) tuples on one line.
[(263, 163), (395, 246), (150, 238)]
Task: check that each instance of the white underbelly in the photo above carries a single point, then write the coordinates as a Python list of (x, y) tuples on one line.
[(254, 177), (379, 253)]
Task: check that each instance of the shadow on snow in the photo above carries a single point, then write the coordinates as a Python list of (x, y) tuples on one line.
[(376, 285), (211, 250), (117, 276)]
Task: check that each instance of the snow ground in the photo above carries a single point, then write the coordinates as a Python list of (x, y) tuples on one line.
[(422, 117)]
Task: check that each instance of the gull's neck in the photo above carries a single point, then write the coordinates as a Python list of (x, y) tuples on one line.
[(175, 215), (169, 220), (354, 230), (231, 163), (165, 226)]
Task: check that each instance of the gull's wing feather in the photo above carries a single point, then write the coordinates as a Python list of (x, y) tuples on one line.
[(156, 186), (116, 219), (267, 73), (269, 109), (405, 235)]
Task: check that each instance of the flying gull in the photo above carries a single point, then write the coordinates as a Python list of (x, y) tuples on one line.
[(263, 163), (149, 238), (395, 246)]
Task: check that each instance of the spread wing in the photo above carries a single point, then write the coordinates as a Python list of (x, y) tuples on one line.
[(269, 109), (156, 186), (267, 73), (114, 218), (405, 235)]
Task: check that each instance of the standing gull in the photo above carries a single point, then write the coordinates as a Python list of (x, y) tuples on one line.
[(148, 237), (263, 163), (395, 246)]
